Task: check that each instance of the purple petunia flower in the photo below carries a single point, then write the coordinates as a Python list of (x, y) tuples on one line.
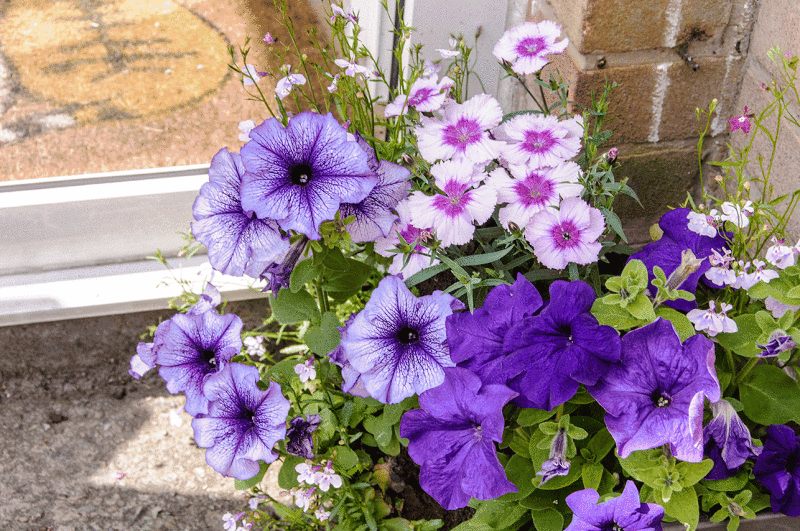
[(299, 440), (236, 240), (452, 438), (563, 346), (463, 131), (301, 173), (666, 253), (398, 342), (778, 469), (374, 216), (623, 512), (243, 422), (655, 394), (727, 441), (526, 46), (476, 339)]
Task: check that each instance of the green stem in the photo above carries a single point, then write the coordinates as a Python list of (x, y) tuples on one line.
[(746, 369)]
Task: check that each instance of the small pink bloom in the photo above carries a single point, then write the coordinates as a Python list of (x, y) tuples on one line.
[(566, 235), (404, 265), (741, 122), (526, 46), (252, 75), (452, 215), (269, 39), (425, 95), (540, 140), (462, 132), (352, 68)]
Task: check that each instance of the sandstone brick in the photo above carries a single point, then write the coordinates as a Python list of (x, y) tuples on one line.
[(624, 25), (778, 23), (660, 175)]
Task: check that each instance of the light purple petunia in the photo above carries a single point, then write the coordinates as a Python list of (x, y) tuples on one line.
[(462, 131), (623, 512), (453, 438), (726, 440), (374, 216), (454, 214), (398, 343), (301, 173), (558, 349), (538, 140), (476, 339), (666, 253), (236, 240), (655, 394), (528, 190), (425, 95), (778, 469), (243, 422), (526, 46), (566, 235)]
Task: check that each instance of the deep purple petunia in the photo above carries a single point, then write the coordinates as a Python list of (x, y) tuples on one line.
[(236, 240), (726, 440), (563, 346), (778, 469), (301, 173), (398, 341), (243, 422), (655, 394), (277, 274), (299, 439), (374, 215), (452, 437), (476, 339), (623, 512), (666, 253)]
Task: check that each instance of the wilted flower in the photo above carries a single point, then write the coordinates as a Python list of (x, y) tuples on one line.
[(398, 342), (557, 464), (299, 438), (566, 235), (402, 264), (243, 423), (301, 173), (526, 46), (779, 341), (453, 437), (237, 241), (269, 39), (727, 441), (255, 346), (655, 394), (624, 512), (778, 469)]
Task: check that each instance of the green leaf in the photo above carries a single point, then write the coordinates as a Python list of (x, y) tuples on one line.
[(743, 341), (283, 371), (613, 221), (292, 308), (683, 505), (643, 466), (287, 477), (613, 315), (347, 281), (691, 473), (591, 475), (600, 444), (304, 272), (642, 308), (498, 515), (520, 472), (734, 484), (682, 324), (770, 396), (248, 484), (547, 520), (346, 458), (324, 338), (533, 417), (392, 413)]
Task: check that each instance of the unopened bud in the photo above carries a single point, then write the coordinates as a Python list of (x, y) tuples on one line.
[(689, 264), (735, 509), (427, 238), (718, 178), (656, 232), (513, 227), (611, 156)]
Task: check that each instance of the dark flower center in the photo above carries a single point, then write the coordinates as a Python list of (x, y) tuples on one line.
[(661, 399), (612, 526), (209, 357), (300, 173), (407, 335)]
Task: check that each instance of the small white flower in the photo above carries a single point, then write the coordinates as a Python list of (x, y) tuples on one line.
[(284, 86), (781, 255), (306, 370), (253, 502), (255, 346), (448, 54), (230, 521), (322, 514), (711, 322), (303, 497), (327, 478), (702, 224), (352, 68), (739, 215), (778, 308), (252, 75), (306, 473), (721, 273), (245, 127), (334, 83)]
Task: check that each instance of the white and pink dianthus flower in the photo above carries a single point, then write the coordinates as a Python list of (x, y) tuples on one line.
[(404, 265), (566, 235), (530, 190), (452, 215), (540, 140), (425, 95), (526, 46), (462, 131)]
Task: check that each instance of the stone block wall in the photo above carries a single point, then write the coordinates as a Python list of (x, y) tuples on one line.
[(668, 57)]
